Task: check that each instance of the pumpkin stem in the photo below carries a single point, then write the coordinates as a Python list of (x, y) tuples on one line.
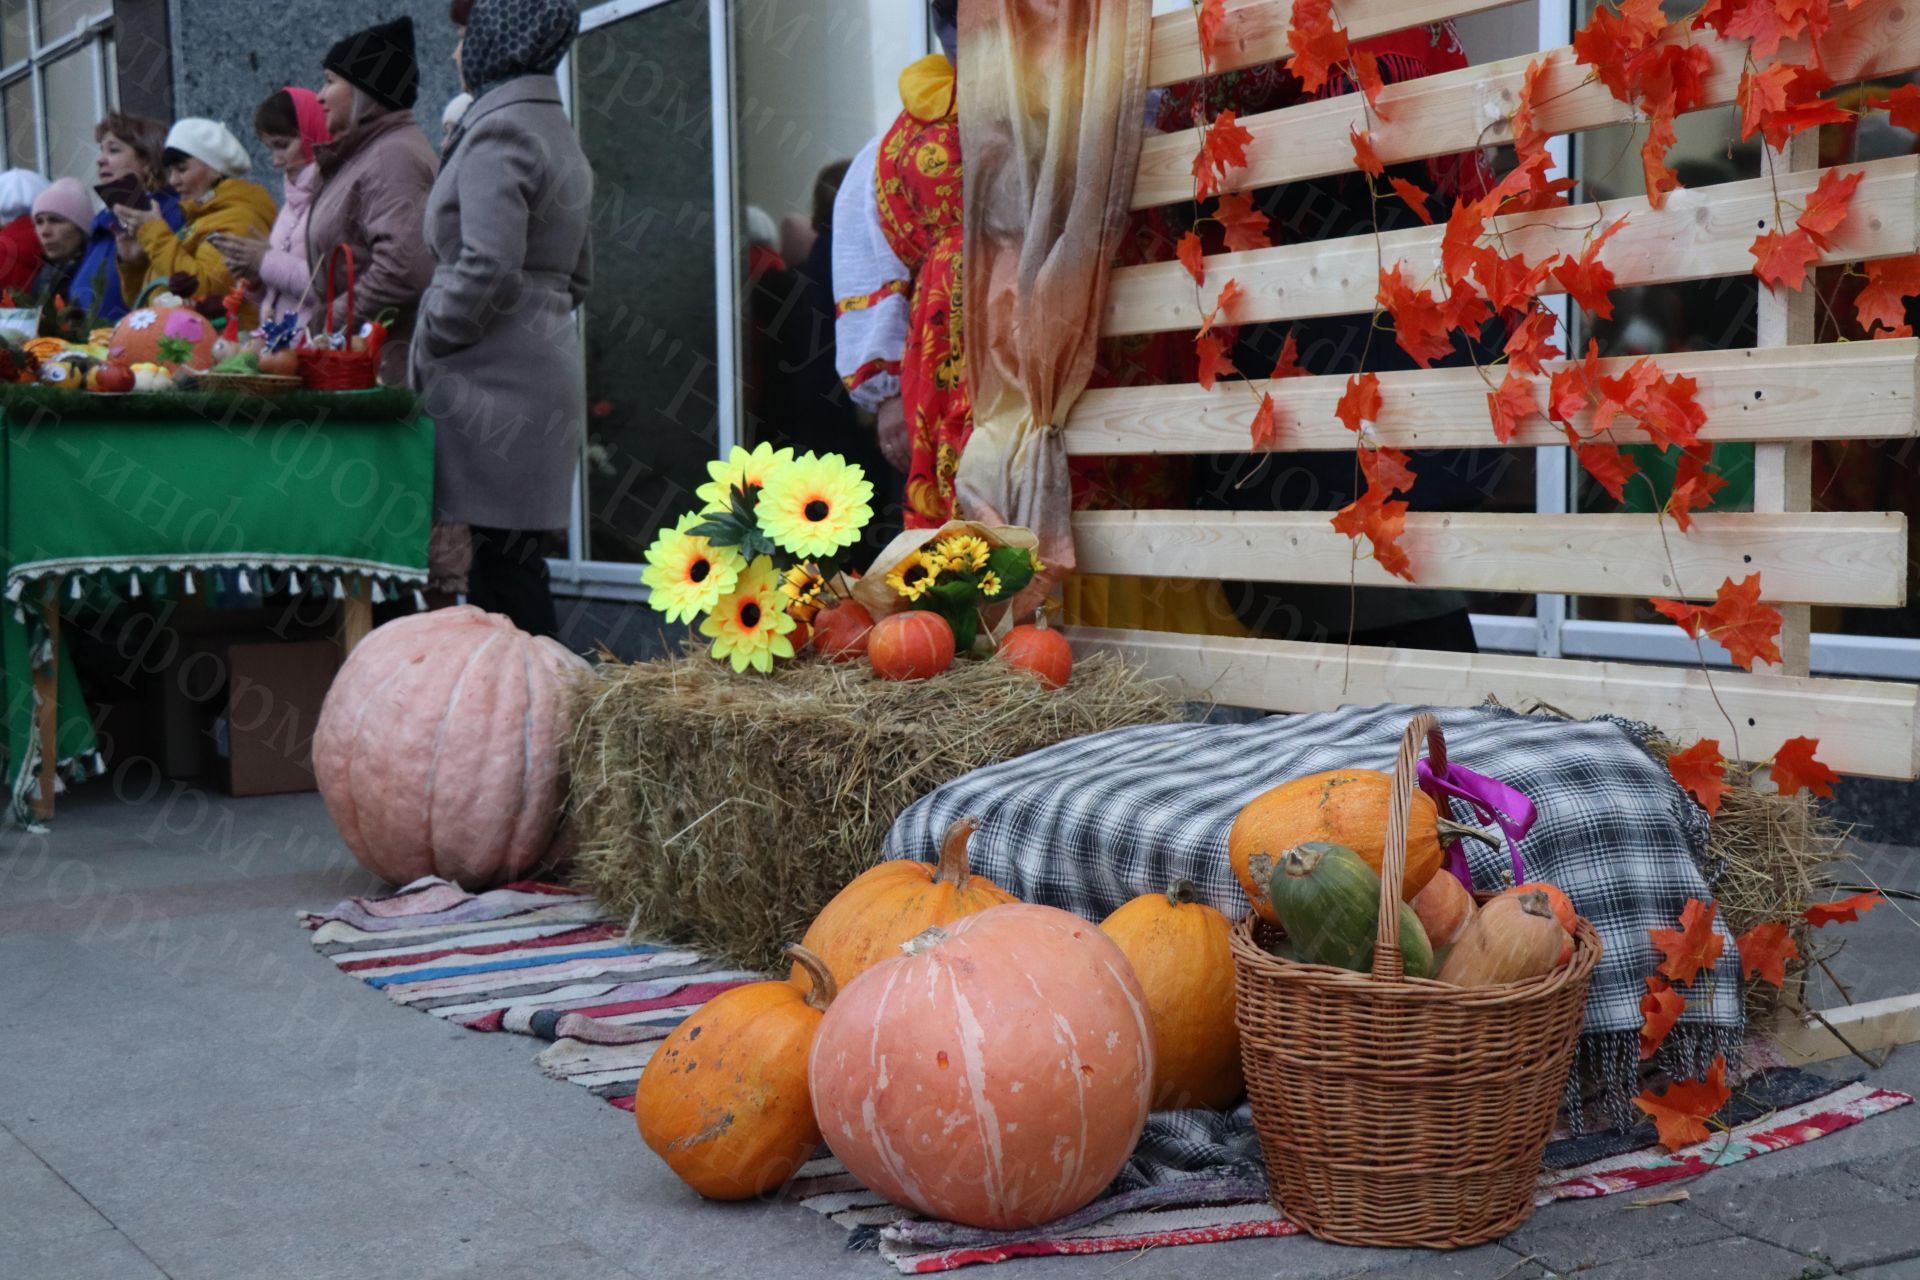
[(924, 941), (953, 868), (1179, 893), (1449, 829), (824, 988), (1536, 903)]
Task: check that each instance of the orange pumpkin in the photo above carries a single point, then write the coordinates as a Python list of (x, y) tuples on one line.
[(884, 906), (724, 1098), (1039, 649), (998, 1074), (1345, 807), (1513, 938), (914, 645), (840, 630), (1562, 911), (1180, 954), (1444, 907), (174, 337)]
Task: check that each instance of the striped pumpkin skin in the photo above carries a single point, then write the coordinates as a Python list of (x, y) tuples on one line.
[(441, 748), (997, 1075)]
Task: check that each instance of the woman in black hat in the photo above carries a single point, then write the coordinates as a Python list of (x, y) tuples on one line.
[(374, 178)]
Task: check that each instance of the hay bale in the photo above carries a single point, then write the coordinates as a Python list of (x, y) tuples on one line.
[(722, 811)]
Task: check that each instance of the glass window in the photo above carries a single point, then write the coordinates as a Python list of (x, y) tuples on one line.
[(23, 142), (61, 18), (69, 95), (13, 31)]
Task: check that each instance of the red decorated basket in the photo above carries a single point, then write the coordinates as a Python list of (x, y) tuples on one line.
[(324, 369)]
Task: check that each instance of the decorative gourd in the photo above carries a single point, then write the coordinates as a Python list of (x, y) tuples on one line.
[(441, 748), (173, 336), (1513, 938), (997, 1074), (1038, 648), (724, 1098), (914, 645), (840, 630), (1346, 807), (1444, 907), (1183, 960), (1562, 911), (887, 905), (1328, 900)]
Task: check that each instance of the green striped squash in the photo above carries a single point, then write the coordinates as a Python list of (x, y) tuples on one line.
[(1328, 901)]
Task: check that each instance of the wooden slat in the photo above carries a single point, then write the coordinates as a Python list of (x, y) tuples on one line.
[(1864, 727), (1256, 31), (1832, 557), (1702, 233), (1843, 390), (1460, 110), (1867, 1027)]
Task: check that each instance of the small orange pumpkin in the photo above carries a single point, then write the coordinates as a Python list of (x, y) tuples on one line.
[(1181, 955), (1444, 908), (914, 645), (886, 905), (840, 630), (1562, 911), (724, 1099), (1513, 938), (1038, 648)]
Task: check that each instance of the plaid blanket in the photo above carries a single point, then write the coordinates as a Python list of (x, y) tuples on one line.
[(1090, 823)]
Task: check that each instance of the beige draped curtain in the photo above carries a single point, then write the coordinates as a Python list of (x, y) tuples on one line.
[(1052, 98)]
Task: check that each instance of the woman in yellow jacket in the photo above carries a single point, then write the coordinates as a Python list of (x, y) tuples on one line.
[(205, 165)]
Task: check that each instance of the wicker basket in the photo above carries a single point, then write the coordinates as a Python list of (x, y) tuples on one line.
[(323, 369), (1402, 1111)]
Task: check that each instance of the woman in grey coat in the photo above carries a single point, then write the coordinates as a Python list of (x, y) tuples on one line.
[(496, 356)]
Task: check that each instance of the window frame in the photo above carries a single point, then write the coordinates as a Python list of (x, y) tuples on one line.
[(95, 30)]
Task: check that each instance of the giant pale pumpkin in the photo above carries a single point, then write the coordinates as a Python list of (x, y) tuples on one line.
[(1183, 960), (441, 748), (724, 1098), (997, 1074), (886, 905), (1345, 807)]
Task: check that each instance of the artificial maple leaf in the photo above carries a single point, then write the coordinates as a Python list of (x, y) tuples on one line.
[(1681, 1113), (1317, 46), (1694, 487), (1460, 247), (1783, 259), (1466, 310), (1672, 78), (1386, 470), (1531, 341), (1659, 178), (1607, 44), (1573, 385), (1703, 772), (1413, 196), (1244, 225), (1769, 24), (1783, 99), (1903, 107), (1890, 282), (1795, 769), (1213, 20), (1621, 393), (1690, 618), (1660, 1008), (1365, 158), (1607, 465), (1669, 408), (1366, 70), (1693, 946), (1266, 428), (1511, 405), (1827, 207), (1227, 299), (1193, 257), (1509, 282), (1587, 279), (1745, 627), (1223, 148), (1288, 365), (1765, 950), (1360, 402), (1843, 911), (1214, 361), (1381, 522), (1528, 138), (1419, 326)]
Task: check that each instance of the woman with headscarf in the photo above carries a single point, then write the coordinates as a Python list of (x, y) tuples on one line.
[(373, 183), (290, 123), (497, 358), (19, 242)]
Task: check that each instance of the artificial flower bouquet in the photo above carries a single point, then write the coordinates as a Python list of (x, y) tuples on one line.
[(964, 571)]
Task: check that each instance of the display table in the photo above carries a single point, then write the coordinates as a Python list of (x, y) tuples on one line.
[(106, 499)]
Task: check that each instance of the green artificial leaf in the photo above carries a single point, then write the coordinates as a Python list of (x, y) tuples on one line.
[(720, 528), (966, 628), (1014, 567), (951, 595), (175, 350)]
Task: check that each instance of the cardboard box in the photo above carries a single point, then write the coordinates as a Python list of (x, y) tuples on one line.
[(262, 743)]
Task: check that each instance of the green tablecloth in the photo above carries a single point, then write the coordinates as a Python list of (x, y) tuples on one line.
[(104, 509)]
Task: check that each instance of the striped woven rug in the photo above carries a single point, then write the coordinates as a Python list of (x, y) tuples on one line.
[(546, 961)]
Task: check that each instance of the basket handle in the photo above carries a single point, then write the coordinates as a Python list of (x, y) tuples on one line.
[(1393, 861), (332, 255)]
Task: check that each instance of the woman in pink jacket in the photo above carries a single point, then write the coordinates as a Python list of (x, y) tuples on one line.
[(288, 123)]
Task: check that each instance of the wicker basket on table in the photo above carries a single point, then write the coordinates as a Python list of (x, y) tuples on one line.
[(324, 369), (1403, 1111)]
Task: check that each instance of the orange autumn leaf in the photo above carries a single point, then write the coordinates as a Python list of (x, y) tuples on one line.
[(1609, 467), (1842, 911), (1213, 20), (1702, 771), (1317, 46), (1365, 158), (1693, 946), (1511, 405), (1660, 1008), (1672, 77), (1510, 283), (1386, 469), (1244, 225), (1223, 148), (1419, 324), (1360, 402), (1890, 282), (1288, 365), (1829, 204), (1587, 279), (1193, 257), (1381, 522), (1783, 259), (1681, 1113), (1460, 247), (1466, 310), (1266, 428), (1607, 44), (1747, 628), (1654, 171), (1366, 70), (1765, 950), (1531, 341), (1414, 198), (1782, 99), (1228, 298), (1903, 107), (1795, 769), (1214, 362), (1694, 487), (1528, 138), (1573, 385)]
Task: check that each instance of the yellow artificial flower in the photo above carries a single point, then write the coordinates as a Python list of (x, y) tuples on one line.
[(913, 575), (990, 585), (815, 506), (687, 575), (802, 589), (750, 627), (964, 552), (1037, 566), (741, 470)]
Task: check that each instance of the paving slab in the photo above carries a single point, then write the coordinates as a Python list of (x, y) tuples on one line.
[(1794, 1213), (1909, 1270), (1488, 1262), (37, 1203), (97, 1255), (1575, 1234), (1735, 1258), (1861, 1238)]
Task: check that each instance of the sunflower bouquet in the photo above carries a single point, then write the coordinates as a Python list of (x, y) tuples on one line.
[(958, 575), (761, 552)]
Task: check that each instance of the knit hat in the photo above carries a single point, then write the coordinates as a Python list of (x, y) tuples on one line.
[(208, 141), (19, 188), (66, 199), (380, 62)]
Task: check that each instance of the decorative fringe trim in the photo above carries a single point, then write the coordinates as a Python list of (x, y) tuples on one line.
[(188, 587), (1610, 1062), (133, 586), (73, 591), (378, 596), (246, 584), (339, 588), (419, 601), (293, 582), (16, 590)]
